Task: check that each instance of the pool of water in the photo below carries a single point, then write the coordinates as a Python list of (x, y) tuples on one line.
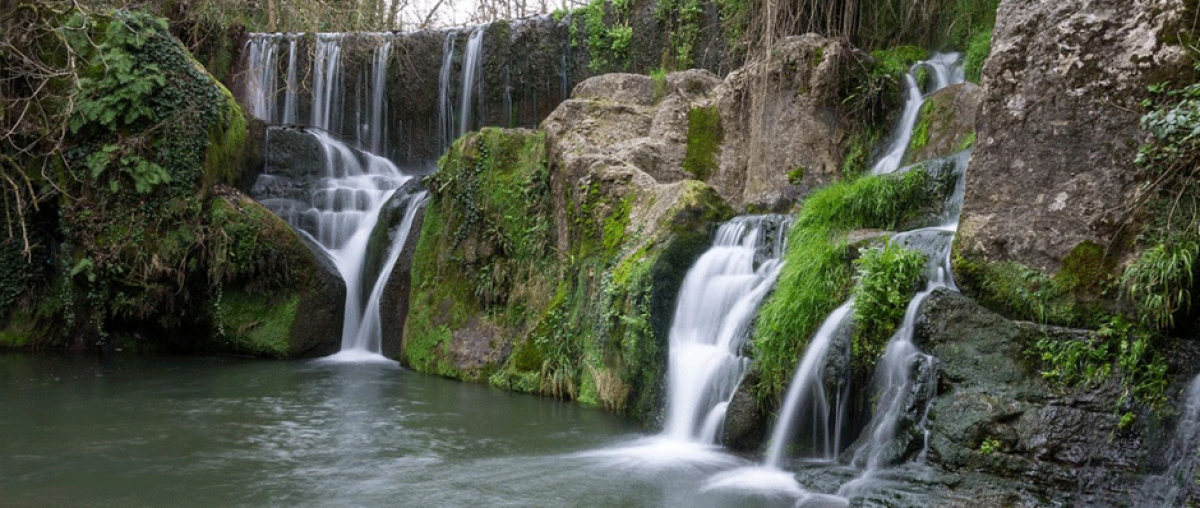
[(180, 432)]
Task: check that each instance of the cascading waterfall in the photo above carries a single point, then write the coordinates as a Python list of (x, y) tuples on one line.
[(806, 400), (472, 64), (946, 71), (807, 409), (446, 109), (342, 207), (717, 303)]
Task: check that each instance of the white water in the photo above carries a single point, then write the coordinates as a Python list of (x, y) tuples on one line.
[(344, 205), (327, 82), (806, 396), (944, 70), (717, 303), (472, 65), (374, 129), (446, 111)]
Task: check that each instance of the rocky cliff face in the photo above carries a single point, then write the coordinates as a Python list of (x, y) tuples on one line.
[(782, 115), (1058, 130)]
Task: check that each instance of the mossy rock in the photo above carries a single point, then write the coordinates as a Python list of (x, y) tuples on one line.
[(946, 123), (279, 297), (493, 300)]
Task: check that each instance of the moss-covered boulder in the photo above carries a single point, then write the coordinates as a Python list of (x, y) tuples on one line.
[(279, 297), (133, 243), (945, 124), (494, 300)]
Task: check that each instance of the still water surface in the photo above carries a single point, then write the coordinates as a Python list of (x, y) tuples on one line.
[(134, 432)]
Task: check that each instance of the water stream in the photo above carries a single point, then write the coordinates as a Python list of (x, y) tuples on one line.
[(341, 208)]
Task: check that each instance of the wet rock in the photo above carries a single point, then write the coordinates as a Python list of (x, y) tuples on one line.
[(746, 422), (994, 414), (393, 302)]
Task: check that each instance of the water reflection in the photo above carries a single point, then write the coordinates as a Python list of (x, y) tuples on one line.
[(229, 432)]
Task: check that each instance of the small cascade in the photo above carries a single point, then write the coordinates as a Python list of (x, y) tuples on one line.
[(471, 67), (446, 110), (944, 71), (327, 83), (291, 112), (260, 85), (717, 304), (373, 130), (806, 400), (340, 207), (1171, 487)]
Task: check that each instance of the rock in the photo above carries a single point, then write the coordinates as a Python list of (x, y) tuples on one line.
[(746, 422), (281, 297), (993, 413), (782, 114), (946, 123), (1058, 129)]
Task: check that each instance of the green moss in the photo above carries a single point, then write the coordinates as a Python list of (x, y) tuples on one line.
[(704, 138), (887, 279), (258, 324), (224, 157), (1086, 268), (816, 276), (978, 49), (920, 135), (1022, 293), (19, 331)]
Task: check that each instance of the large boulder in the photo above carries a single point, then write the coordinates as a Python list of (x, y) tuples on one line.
[(548, 263), (1058, 131), (994, 415), (782, 115), (281, 296)]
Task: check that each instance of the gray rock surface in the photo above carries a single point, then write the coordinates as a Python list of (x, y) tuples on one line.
[(1064, 445), (780, 114), (1058, 129)]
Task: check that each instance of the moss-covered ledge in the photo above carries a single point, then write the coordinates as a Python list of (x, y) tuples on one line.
[(494, 301)]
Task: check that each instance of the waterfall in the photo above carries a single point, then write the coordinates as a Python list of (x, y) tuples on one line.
[(807, 392), (717, 304), (1171, 487), (945, 71), (327, 83), (260, 85), (340, 207), (446, 109), (472, 64), (291, 115), (374, 129)]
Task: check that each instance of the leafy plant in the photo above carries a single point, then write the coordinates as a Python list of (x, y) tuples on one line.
[(989, 446), (1119, 347), (886, 281)]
